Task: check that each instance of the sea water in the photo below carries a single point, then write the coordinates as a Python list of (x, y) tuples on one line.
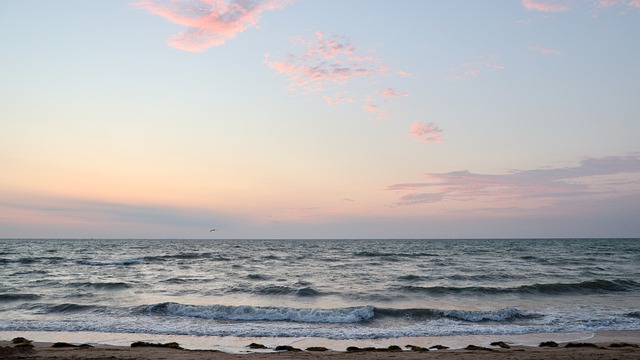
[(319, 289)]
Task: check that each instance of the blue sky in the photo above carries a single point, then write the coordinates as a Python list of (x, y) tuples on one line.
[(314, 119)]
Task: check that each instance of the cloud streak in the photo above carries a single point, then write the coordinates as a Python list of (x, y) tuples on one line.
[(474, 68), (546, 6), (426, 133), (328, 63), (557, 6), (548, 183), (544, 51), (210, 22)]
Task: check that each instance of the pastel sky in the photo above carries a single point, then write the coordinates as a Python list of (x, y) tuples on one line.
[(319, 119)]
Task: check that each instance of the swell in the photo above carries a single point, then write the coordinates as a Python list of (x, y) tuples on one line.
[(501, 315), (100, 285), (352, 315), (66, 308), (18, 297), (153, 259), (276, 290), (585, 287), (251, 313), (387, 255)]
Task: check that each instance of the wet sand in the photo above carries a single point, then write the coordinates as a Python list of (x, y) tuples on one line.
[(603, 345)]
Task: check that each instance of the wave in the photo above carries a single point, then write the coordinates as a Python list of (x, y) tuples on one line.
[(251, 313), (153, 259), (392, 255), (101, 286), (282, 290), (585, 287), (258, 277), (65, 308), (186, 256), (634, 314), (502, 315), (70, 308), (353, 315), (33, 260), (112, 262), (18, 297)]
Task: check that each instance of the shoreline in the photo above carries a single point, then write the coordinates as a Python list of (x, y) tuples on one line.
[(521, 347)]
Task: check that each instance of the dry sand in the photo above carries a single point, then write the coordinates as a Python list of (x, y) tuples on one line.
[(603, 346)]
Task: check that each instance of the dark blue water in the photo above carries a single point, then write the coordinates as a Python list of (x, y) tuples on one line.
[(337, 289)]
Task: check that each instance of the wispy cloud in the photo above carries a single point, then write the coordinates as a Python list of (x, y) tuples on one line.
[(328, 63), (556, 6), (612, 3), (375, 110), (67, 210), (426, 133), (326, 60), (548, 183), (421, 198), (548, 6), (473, 68), (338, 99), (544, 50), (209, 22), (390, 93)]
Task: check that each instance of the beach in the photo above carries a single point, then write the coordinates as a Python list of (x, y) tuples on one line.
[(602, 345), (214, 299)]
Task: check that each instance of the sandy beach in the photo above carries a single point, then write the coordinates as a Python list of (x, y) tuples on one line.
[(603, 345)]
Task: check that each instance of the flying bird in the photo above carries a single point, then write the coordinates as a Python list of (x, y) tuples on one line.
[(212, 230)]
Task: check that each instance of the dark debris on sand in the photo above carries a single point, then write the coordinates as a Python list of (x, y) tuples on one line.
[(502, 344), (624, 344), (576, 345), (317, 348), (21, 347), (67, 345), (170, 345), (416, 348), (476, 347), (548, 344), (286, 348), (391, 348)]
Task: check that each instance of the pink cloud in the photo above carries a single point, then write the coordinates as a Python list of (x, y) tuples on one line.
[(611, 3), (329, 63), (390, 93), (374, 109), (338, 99), (546, 6), (363, 58), (551, 6), (426, 133), (404, 73), (331, 46), (608, 3), (474, 68), (545, 51), (209, 22), (415, 199), (326, 60), (547, 183)]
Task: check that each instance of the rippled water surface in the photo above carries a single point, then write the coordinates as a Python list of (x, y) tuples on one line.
[(345, 289)]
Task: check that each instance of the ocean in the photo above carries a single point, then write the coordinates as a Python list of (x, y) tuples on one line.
[(319, 289)]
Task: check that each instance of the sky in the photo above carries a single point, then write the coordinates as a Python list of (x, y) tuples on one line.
[(319, 119)]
